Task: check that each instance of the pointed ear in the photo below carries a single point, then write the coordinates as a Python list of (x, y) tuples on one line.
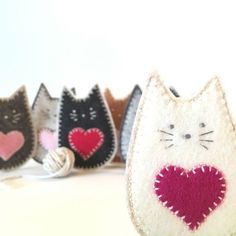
[(43, 90), (136, 90), (108, 95), (156, 88), (67, 94), (19, 93), (42, 95), (95, 92), (73, 90), (211, 93)]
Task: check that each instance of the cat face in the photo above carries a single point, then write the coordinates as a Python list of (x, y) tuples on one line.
[(17, 137), (182, 154), (86, 127)]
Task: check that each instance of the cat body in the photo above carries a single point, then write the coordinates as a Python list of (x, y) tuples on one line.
[(117, 108), (17, 134), (181, 164), (45, 116), (128, 121), (86, 127)]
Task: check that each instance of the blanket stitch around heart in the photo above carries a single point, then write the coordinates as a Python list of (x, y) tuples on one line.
[(191, 195), (10, 143), (85, 142)]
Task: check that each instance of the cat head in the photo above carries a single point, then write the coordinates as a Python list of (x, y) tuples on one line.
[(14, 110), (45, 109), (16, 126), (195, 128)]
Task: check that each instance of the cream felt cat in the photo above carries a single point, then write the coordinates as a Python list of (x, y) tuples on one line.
[(181, 169)]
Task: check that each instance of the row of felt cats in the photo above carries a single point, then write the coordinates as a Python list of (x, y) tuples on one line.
[(96, 128)]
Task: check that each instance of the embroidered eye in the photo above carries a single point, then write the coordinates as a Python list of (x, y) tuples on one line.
[(92, 113), (171, 126), (73, 115), (15, 116), (202, 125)]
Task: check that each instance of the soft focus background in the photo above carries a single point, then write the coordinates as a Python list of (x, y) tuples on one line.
[(116, 43)]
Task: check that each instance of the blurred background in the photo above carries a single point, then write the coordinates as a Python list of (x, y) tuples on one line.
[(116, 44)]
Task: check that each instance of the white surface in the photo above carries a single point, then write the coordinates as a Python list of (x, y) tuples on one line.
[(83, 204)]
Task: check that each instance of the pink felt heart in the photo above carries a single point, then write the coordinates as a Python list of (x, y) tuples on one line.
[(190, 195), (85, 142), (48, 139), (10, 143)]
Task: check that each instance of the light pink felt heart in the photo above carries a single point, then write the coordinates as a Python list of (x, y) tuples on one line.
[(48, 139), (190, 195), (10, 143)]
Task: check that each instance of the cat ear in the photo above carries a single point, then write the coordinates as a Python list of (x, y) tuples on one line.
[(211, 93), (155, 89), (95, 92), (136, 90), (108, 95), (67, 95), (19, 94), (42, 95)]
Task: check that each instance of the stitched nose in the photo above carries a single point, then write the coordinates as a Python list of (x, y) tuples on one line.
[(187, 136)]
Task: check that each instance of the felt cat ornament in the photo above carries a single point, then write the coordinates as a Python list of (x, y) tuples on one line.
[(128, 121), (86, 127), (45, 114), (181, 166), (17, 134), (117, 108)]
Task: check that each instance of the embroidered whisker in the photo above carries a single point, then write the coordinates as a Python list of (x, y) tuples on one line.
[(17, 115), (171, 145), (163, 131), (166, 139), (204, 146), (206, 140), (206, 133)]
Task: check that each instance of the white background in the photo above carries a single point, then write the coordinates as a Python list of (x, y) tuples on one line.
[(116, 43)]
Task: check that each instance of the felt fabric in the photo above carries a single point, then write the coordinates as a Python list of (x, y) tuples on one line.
[(17, 134), (190, 195), (45, 115), (86, 142), (10, 144), (128, 121), (48, 139), (186, 134), (117, 108), (86, 127)]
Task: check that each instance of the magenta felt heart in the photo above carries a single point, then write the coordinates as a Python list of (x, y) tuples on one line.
[(48, 139), (10, 143), (190, 195), (85, 142)]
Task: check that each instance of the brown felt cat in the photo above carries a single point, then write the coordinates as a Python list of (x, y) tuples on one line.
[(117, 108)]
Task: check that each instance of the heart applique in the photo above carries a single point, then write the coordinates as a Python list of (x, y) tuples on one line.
[(86, 142), (10, 143), (48, 139), (190, 195)]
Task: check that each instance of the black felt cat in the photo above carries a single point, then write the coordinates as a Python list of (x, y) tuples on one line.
[(86, 127), (17, 135)]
